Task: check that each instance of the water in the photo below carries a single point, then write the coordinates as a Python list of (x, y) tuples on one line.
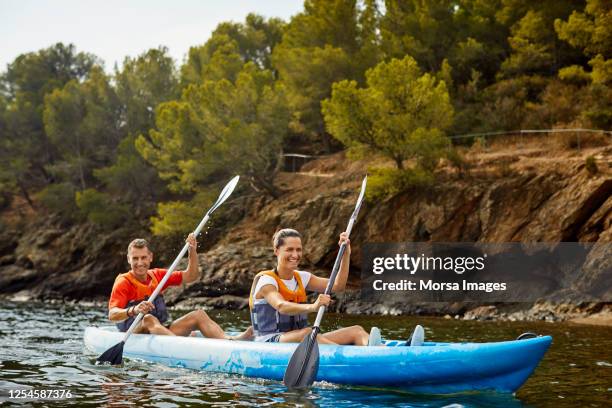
[(42, 348)]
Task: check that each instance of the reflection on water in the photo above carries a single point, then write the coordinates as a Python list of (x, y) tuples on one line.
[(42, 348)]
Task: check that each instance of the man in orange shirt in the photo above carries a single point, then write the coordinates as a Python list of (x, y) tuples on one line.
[(132, 289)]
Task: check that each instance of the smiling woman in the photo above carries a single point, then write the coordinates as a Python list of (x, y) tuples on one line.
[(278, 297)]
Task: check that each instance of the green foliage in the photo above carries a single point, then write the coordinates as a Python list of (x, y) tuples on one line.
[(388, 182), (328, 42), (81, 123), (25, 149), (100, 208), (574, 74), (401, 113), (176, 217), (59, 198), (307, 75), (220, 129), (130, 178), (532, 46), (457, 160), (230, 47), (590, 165), (142, 84), (589, 30), (153, 133)]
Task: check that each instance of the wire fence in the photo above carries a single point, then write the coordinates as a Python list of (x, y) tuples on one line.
[(483, 136), (294, 161)]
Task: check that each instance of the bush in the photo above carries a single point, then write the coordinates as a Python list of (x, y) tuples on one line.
[(591, 165), (387, 182), (457, 160), (99, 208), (571, 140), (179, 217), (59, 198)]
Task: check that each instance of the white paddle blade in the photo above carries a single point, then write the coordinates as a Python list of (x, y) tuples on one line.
[(357, 205), (225, 193)]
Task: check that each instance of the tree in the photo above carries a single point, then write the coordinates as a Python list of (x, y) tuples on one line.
[(25, 149), (424, 30), (326, 43), (401, 114), (219, 129), (536, 50), (230, 46), (589, 31), (81, 121), (142, 84)]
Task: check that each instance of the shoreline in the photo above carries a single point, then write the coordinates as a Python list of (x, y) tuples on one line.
[(601, 314)]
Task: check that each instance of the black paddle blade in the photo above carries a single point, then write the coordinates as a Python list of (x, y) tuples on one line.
[(304, 364), (113, 355)]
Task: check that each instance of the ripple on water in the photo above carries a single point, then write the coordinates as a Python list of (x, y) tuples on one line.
[(42, 346)]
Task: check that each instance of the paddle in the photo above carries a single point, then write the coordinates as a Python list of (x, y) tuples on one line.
[(304, 364), (114, 355)]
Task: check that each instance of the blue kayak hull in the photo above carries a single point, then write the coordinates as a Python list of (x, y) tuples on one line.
[(438, 368)]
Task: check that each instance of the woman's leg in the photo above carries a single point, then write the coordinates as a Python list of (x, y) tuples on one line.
[(296, 336), (348, 335)]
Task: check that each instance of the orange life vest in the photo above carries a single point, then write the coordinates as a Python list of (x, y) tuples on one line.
[(267, 320)]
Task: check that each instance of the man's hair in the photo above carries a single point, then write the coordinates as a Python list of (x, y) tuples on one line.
[(138, 243), (279, 237)]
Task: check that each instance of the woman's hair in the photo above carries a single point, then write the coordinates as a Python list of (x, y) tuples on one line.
[(279, 237)]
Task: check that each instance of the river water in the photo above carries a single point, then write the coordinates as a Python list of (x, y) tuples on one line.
[(42, 349)]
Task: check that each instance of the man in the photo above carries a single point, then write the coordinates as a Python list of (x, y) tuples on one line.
[(132, 289)]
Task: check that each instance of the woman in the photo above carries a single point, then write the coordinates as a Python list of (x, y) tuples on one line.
[(278, 297)]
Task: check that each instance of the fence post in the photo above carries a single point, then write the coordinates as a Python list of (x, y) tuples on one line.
[(578, 139)]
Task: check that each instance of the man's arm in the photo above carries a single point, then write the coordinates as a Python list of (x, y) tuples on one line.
[(193, 269), (117, 314)]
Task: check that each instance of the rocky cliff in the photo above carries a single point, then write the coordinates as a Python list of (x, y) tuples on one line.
[(529, 194)]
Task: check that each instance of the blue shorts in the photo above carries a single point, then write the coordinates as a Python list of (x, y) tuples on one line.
[(275, 338)]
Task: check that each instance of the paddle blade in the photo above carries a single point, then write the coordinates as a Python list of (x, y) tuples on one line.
[(113, 355), (304, 364)]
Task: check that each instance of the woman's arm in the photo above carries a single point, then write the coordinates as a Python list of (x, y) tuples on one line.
[(317, 284), (274, 299)]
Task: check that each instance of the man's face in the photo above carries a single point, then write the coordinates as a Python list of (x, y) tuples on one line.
[(140, 260), (290, 253)]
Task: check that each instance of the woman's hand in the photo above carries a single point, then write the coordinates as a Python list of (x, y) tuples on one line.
[(344, 238), (322, 300)]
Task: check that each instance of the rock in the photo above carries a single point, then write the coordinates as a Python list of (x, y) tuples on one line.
[(537, 200), (481, 313)]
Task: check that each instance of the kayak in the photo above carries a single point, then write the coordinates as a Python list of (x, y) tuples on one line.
[(439, 368)]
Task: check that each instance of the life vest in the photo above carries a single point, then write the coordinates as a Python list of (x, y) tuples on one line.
[(267, 320), (143, 291)]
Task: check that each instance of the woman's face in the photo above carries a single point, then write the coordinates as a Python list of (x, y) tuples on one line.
[(290, 253)]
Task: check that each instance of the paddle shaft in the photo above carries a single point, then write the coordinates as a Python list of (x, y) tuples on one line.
[(334, 274)]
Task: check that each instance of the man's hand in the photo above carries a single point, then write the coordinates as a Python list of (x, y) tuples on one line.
[(144, 307), (193, 268), (193, 244)]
